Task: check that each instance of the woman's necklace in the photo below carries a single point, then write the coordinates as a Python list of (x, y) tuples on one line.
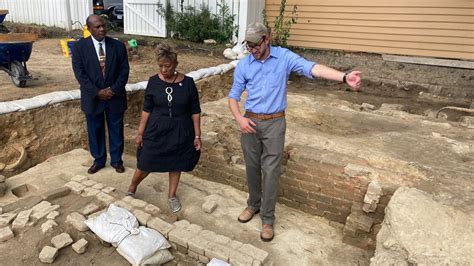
[(169, 92)]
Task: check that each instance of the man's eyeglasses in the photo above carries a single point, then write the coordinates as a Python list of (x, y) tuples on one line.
[(252, 46)]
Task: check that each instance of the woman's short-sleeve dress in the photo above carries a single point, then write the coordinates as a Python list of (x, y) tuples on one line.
[(168, 140)]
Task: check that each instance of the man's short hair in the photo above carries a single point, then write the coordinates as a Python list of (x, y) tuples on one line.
[(255, 32)]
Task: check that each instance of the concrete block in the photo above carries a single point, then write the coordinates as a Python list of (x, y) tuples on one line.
[(198, 244), (142, 216), (48, 254), (161, 226), (36, 215), (56, 193), (40, 206), (77, 220), (239, 259), (61, 240), (6, 218), (209, 206), (89, 192), (256, 253), (359, 221), (79, 178), (80, 246), (52, 215), (138, 203), (98, 186), (75, 187), (181, 224), (180, 236), (108, 190), (203, 259), (214, 250), (48, 226), (21, 219), (90, 208), (223, 240), (89, 183), (105, 198), (152, 209), (6, 234), (125, 205)]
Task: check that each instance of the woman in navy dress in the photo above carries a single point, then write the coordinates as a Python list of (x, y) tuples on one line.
[(168, 138)]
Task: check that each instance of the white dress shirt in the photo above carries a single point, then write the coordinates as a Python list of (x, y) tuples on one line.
[(96, 46)]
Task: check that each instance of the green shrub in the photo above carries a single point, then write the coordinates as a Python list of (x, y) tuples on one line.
[(199, 24), (282, 26)]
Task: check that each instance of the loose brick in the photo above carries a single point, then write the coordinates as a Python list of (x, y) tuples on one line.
[(62, 240), (152, 209), (48, 226), (142, 216), (209, 206), (48, 254), (105, 198), (98, 186), (161, 226), (77, 220), (80, 246), (256, 253), (79, 178), (75, 187), (123, 204), (40, 213), (56, 193), (180, 236), (89, 183), (6, 234), (21, 219), (90, 208), (182, 223), (89, 192), (214, 250), (108, 190), (6, 218), (138, 203), (239, 259), (198, 244), (52, 215)]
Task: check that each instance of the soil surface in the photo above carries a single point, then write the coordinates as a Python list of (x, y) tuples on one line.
[(52, 71)]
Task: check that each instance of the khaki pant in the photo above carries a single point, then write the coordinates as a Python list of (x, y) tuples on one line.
[(263, 152)]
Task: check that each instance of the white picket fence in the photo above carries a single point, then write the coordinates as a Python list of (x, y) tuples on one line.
[(141, 16), (59, 13)]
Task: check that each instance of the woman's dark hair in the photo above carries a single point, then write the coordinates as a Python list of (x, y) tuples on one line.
[(164, 50)]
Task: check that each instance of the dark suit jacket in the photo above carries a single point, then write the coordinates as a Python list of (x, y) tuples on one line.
[(87, 70)]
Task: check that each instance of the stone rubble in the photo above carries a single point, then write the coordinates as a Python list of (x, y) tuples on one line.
[(77, 220), (209, 206), (62, 240), (6, 218), (48, 254), (372, 197), (47, 226), (21, 219), (80, 246), (75, 187), (6, 234), (52, 215), (90, 208)]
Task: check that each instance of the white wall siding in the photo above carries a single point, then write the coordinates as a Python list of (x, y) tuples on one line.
[(47, 12)]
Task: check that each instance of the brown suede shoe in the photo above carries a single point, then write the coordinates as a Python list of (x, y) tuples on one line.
[(247, 215), (267, 233)]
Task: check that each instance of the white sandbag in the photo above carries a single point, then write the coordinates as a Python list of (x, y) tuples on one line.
[(114, 225), (215, 70), (234, 63), (136, 248), (195, 75), (204, 72), (242, 55), (225, 67), (8, 107), (54, 97), (239, 48), (217, 262), (160, 257), (27, 104)]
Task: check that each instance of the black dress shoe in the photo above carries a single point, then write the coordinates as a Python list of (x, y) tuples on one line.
[(94, 168), (119, 168)]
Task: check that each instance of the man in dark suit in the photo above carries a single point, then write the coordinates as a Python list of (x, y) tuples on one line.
[(101, 67)]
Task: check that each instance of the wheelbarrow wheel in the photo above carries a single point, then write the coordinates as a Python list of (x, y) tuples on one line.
[(17, 72)]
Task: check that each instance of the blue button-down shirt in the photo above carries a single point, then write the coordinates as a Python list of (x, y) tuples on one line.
[(266, 81)]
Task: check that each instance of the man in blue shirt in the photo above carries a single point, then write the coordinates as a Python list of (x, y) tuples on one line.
[(264, 74)]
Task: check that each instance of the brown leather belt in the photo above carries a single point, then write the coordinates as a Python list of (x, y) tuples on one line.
[(265, 116)]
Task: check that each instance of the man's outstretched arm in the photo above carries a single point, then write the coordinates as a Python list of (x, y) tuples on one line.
[(352, 79)]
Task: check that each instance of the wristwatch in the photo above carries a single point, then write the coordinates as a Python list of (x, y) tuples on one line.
[(344, 78)]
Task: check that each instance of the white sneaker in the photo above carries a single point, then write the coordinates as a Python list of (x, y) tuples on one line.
[(174, 204)]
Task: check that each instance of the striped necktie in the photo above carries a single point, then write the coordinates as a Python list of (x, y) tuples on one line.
[(102, 59)]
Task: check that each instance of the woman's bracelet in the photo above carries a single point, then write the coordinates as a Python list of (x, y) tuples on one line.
[(197, 137)]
